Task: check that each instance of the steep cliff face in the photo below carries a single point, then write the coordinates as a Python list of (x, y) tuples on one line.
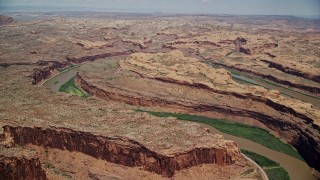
[(45, 69), (303, 136), (239, 42), (21, 168), (310, 89), (295, 72), (42, 73), (82, 59), (121, 150)]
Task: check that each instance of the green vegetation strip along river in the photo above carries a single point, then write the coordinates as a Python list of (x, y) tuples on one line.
[(248, 79), (70, 87), (292, 163), (297, 169), (252, 133), (272, 169)]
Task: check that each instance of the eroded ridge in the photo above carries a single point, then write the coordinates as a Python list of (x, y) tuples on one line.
[(171, 80), (123, 150), (16, 163), (272, 48)]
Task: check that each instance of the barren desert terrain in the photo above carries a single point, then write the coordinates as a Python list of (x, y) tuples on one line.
[(147, 96)]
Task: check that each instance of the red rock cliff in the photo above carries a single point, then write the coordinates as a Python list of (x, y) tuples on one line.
[(21, 168), (122, 150)]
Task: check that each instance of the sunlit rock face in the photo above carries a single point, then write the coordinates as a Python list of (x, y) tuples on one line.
[(157, 62)]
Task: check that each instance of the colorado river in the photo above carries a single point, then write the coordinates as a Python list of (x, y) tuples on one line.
[(243, 78), (297, 169), (56, 82), (298, 95)]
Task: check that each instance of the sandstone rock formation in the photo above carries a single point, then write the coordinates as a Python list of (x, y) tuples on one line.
[(171, 80), (19, 164), (151, 143), (125, 151), (256, 53)]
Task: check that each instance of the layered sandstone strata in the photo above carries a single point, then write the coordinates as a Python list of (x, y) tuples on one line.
[(51, 43), (171, 80), (65, 164), (263, 54), (124, 151), (104, 131), (20, 164)]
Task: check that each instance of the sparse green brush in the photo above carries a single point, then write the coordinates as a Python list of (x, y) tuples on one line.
[(249, 171), (252, 133), (70, 87), (49, 166), (277, 173), (272, 169), (259, 159), (47, 152)]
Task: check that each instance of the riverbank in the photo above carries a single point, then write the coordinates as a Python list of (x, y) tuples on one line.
[(71, 88), (55, 82), (252, 133), (272, 169), (244, 78), (292, 165), (296, 168)]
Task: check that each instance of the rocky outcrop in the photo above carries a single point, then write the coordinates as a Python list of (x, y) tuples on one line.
[(141, 101), (238, 43), (142, 44), (304, 137), (121, 150), (295, 72), (21, 168), (276, 106), (15, 64), (270, 55), (82, 59), (5, 20), (303, 87), (226, 42), (244, 50), (265, 46), (198, 42), (88, 45), (43, 69), (40, 74), (167, 46)]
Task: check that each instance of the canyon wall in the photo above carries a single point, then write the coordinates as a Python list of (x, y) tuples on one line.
[(21, 168), (82, 59), (309, 89), (304, 139), (295, 72), (121, 150)]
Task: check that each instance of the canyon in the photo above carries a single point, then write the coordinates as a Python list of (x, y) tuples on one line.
[(152, 80), (160, 63)]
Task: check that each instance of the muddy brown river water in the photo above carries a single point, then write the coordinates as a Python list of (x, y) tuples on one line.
[(244, 79), (297, 169), (57, 81)]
